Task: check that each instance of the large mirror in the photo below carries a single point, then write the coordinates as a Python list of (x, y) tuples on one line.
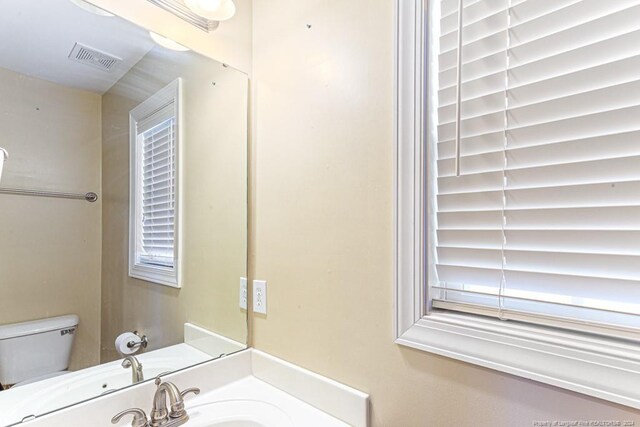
[(123, 206)]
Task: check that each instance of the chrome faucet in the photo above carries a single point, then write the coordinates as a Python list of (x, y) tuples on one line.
[(136, 368), (160, 416), (176, 415)]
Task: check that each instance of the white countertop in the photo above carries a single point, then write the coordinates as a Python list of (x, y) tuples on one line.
[(252, 389), (248, 388)]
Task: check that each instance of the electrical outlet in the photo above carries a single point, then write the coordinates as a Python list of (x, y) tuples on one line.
[(243, 293), (260, 296)]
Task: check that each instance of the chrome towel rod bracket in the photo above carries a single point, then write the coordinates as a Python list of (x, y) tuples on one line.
[(89, 197)]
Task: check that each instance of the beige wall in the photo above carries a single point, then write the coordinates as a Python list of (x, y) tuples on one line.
[(50, 248), (230, 43), (322, 226), (214, 204)]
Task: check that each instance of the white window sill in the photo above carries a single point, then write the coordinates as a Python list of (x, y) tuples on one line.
[(596, 366), (158, 275)]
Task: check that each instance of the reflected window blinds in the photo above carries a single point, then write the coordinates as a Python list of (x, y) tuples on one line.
[(542, 221), (158, 157)]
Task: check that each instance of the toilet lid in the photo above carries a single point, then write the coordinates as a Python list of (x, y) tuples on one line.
[(41, 377), (31, 327)]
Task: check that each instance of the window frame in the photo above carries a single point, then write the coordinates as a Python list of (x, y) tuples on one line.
[(171, 277), (594, 365)]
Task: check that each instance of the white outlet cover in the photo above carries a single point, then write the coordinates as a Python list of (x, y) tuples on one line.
[(260, 296), (243, 293)]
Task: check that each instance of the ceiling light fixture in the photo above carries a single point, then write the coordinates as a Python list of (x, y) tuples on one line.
[(91, 8), (216, 10), (180, 10), (167, 42)]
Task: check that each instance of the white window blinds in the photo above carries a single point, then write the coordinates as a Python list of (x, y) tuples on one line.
[(542, 223), (158, 172)]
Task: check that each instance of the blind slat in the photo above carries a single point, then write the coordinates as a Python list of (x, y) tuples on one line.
[(583, 218)]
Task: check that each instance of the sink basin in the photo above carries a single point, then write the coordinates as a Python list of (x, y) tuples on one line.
[(237, 413)]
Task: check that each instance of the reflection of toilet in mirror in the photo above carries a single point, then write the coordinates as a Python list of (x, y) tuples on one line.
[(36, 350)]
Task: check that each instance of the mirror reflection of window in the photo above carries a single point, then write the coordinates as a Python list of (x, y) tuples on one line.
[(154, 197)]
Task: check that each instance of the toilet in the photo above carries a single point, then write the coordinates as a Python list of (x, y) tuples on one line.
[(36, 350)]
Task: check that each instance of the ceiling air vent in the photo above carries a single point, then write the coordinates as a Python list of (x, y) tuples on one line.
[(93, 57)]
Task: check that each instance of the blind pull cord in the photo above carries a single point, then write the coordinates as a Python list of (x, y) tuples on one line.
[(503, 278), (458, 87)]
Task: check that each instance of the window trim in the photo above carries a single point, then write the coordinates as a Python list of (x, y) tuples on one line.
[(594, 365), (156, 274)]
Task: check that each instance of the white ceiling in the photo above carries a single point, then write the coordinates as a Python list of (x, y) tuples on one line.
[(36, 37)]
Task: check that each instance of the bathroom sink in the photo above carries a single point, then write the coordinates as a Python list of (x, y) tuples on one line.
[(237, 413)]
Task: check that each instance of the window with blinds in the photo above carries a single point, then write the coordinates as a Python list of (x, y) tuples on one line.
[(537, 199), (153, 247), (157, 222)]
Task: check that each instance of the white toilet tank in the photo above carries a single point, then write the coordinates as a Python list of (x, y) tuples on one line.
[(35, 348)]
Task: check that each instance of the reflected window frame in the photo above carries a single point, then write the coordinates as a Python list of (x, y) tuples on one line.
[(159, 109)]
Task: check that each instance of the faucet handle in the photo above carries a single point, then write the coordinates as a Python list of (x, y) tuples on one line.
[(177, 408), (193, 390), (139, 417)]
